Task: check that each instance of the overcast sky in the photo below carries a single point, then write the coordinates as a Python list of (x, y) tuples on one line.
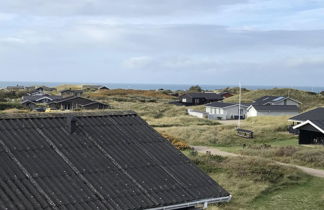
[(270, 42)]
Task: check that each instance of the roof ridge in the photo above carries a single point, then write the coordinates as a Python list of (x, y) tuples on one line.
[(66, 114)]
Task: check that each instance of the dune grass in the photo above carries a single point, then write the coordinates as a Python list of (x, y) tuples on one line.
[(261, 184)]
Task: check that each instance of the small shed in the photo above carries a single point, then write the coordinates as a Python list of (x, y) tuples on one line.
[(311, 132)]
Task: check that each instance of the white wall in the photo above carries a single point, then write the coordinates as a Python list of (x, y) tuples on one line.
[(286, 102), (225, 113), (253, 113), (197, 113)]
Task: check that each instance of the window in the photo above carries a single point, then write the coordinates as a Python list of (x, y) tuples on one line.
[(221, 111), (67, 106)]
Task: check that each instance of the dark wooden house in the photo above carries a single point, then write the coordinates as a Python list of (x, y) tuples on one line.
[(199, 98), (96, 161), (309, 126), (75, 103)]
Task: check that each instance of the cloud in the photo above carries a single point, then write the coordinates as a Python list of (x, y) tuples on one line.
[(120, 8), (195, 41), (138, 62)]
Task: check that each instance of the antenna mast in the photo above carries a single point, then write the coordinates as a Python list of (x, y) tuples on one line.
[(239, 110)]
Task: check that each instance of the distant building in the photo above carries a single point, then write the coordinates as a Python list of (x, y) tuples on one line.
[(70, 92), (226, 94), (103, 88), (225, 111), (94, 87), (276, 100), (199, 98), (15, 88), (76, 103), (271, 110)]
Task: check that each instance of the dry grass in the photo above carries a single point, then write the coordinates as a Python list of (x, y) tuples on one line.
[(250, 179)]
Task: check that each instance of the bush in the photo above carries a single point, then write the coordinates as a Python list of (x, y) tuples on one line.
[(177, 143), (4, 106)]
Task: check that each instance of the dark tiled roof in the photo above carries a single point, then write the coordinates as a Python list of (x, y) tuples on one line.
[(315, 114), (276, 108), (209, 96), (71, 98), (94, 161), (35, 98), (319, 123), (222, 104), (266, 99), (73, 91)]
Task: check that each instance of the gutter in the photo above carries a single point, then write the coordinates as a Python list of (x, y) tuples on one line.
[(203, 202)]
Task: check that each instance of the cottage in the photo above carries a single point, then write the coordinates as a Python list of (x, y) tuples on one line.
[(225, 111), (309, 126), (29, 104), (314, 114), (76, 102), (199, 98), (311, 132), (96, 161), (276, 100), (94, 87), (70, 92), (274, 110)]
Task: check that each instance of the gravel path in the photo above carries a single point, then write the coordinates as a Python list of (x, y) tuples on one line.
[(215, 151)]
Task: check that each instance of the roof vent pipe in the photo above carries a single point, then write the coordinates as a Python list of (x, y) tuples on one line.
[(71, 124)]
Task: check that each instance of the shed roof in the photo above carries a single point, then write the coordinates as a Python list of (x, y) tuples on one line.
[(317, 124), (315, 114), (223, 105), (104, 160)]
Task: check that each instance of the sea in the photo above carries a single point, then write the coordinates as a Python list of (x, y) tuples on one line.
[(139, 86)]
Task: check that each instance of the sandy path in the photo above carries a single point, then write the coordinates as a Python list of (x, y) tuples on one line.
[(215, 151)]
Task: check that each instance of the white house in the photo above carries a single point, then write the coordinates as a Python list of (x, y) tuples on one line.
[(198, 114), (272, 110), (276, 100), (225, 111)]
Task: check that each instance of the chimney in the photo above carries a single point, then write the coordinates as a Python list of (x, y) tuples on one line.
[(71, 124)]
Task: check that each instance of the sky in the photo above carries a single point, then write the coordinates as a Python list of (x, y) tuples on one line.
[(256, 42)]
